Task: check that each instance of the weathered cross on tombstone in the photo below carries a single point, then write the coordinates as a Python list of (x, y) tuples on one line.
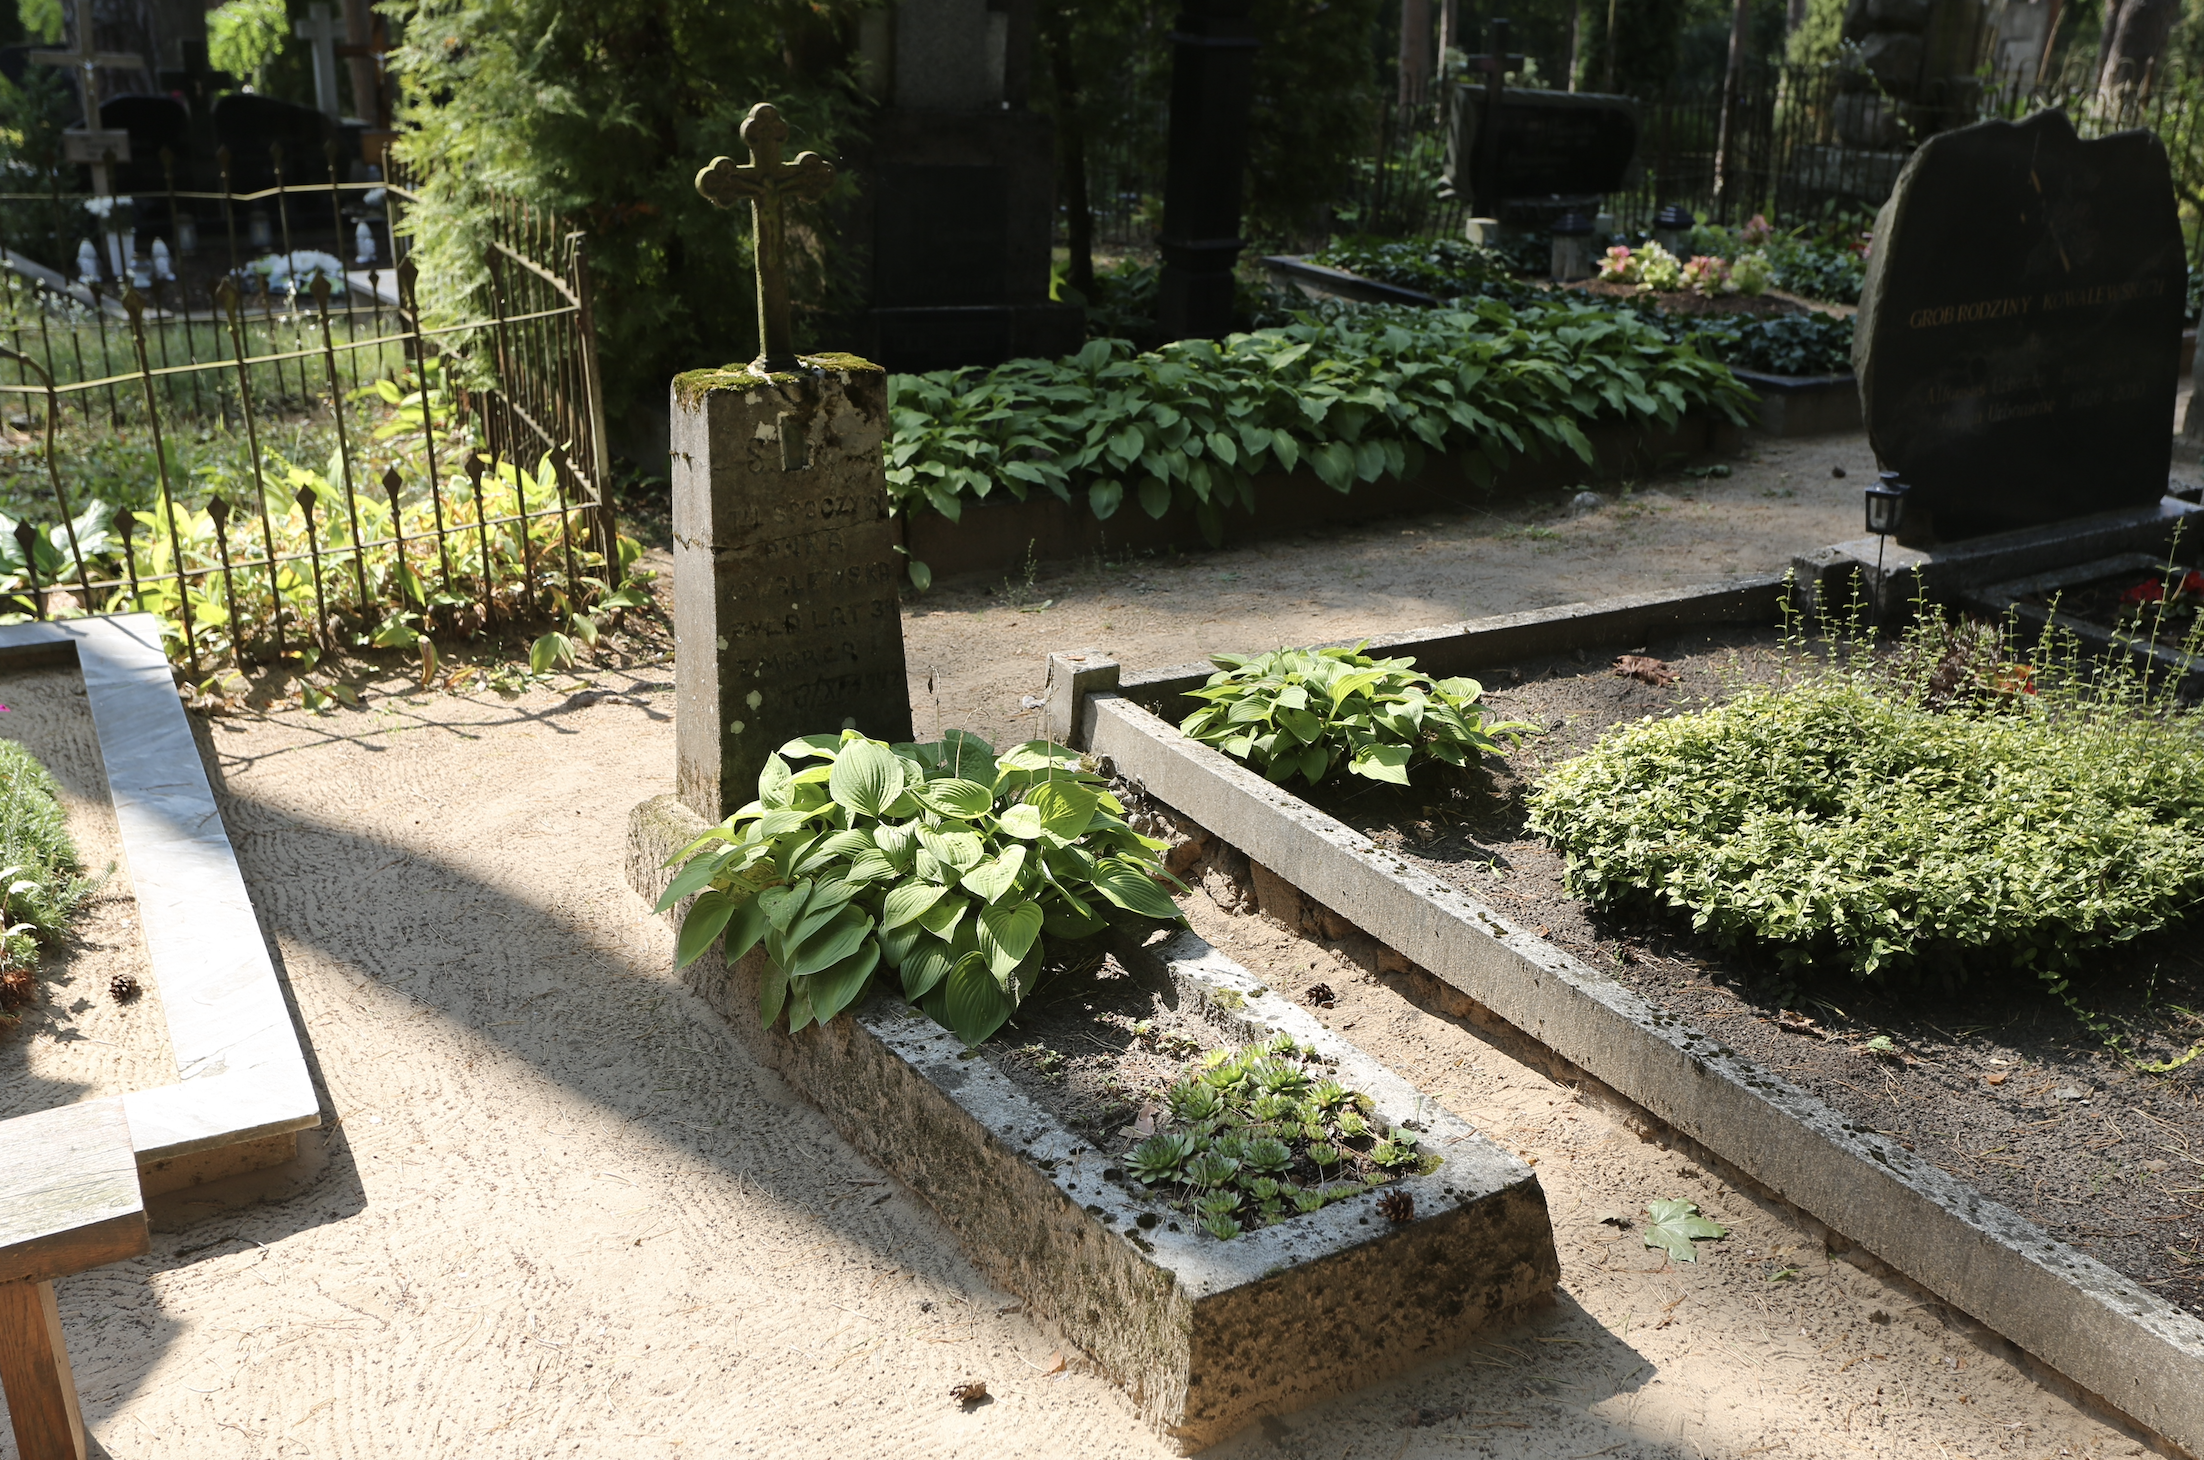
[(90, 144), (322, 32), (1496, 64), (768, 183)]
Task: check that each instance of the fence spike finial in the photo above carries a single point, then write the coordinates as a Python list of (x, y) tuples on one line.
[(226, 296), (133, 301), (219, 509), (320, 289), (391, 483)]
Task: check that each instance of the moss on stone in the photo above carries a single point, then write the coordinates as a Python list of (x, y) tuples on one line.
[(691, 387)]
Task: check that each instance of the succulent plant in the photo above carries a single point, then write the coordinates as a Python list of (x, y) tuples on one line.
[(1262, 1188), (1269, 1156), (1158, 1158), (1211, 1169), (1192, 1100), (1309, 1199), (1218, 1204), (1323, 1153), (1392, 1155), (1352, 1125), (1329, 1094), (1277, 1077), (1224, 1229)]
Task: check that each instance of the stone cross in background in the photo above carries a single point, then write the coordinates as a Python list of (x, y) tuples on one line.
[(787, 619), (321, 32), (768, 183), (89, 143)]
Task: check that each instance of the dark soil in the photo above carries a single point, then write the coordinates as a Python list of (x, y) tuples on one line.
[(1098, 1047), (1996, 1082)]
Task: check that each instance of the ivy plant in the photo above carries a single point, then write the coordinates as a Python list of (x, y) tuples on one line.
[(944, 867), (1306, 712)]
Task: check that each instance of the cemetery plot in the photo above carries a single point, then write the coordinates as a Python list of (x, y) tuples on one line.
[(80, 1015), (1994, 1080), (1209, 1332), (1882, 1120)]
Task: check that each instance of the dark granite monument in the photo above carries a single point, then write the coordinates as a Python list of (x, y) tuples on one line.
[(960, 192), (1212, 89), (2020, 332), (1551, 144)]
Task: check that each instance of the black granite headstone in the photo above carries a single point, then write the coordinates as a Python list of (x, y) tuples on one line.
[(249, 124), (2019, 335), (1572, 143), (154, 123)]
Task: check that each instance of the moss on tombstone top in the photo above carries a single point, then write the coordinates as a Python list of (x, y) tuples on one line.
[(692, 386)]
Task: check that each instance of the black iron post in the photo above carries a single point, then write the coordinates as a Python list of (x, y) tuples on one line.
[(1212, 87)]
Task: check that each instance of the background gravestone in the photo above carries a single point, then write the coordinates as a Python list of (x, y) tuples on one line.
[(1558, 150), (960, 189), (2020, 332)]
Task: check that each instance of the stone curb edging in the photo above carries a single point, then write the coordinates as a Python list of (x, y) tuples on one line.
[(243, 1090), (2138, 1353), (1207, 1336)]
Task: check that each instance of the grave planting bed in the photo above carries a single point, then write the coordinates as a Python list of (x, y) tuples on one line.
[(1994, 1082), (2060, 1204), (1029, 1170)]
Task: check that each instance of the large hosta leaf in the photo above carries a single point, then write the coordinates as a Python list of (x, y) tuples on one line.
[(1007, 933), (974, 1002), (866, 778)]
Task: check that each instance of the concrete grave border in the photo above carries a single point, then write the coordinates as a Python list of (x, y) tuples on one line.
[(2138, 1353), (243, 1091), (1208, 1337)]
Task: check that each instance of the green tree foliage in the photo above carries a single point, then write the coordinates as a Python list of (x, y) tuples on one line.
[(605, 112), (243, 36), (42, 20)]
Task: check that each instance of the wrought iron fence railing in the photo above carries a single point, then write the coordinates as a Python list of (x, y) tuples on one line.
[(287, 453), (1803, 142)]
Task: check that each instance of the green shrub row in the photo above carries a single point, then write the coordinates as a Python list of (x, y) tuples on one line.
[(1357, 396)]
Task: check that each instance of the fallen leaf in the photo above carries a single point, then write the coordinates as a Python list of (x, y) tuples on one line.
[(1675, 1225), (1645, 670), (1055, 1363), (1997, 1079)]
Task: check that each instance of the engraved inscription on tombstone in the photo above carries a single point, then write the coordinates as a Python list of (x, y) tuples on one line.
[(2020, 333), (786, 612)]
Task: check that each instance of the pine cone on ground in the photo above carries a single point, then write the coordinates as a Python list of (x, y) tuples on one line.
[(1398, 1206), (123, 988), (15, 987)]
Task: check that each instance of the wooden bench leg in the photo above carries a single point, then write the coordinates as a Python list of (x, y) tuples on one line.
[(34, 1369)]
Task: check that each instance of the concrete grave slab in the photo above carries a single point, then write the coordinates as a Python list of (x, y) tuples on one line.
[(1207, 1336), (243, 1090), (2140, 1354)]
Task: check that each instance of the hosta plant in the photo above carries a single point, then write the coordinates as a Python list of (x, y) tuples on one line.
[(1306, 712), (941, 868)]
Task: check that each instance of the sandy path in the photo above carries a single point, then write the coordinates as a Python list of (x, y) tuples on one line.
[(558, 1212)]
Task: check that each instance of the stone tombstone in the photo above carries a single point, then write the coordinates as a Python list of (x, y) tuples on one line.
[(250, 124), (1552, 143), (786, 612), (2019, 336)]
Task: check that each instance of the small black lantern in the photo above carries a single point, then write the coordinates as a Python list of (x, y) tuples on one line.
[(1886, 504)]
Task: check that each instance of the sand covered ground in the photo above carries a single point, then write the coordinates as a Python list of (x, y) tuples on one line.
[(557, 1211)]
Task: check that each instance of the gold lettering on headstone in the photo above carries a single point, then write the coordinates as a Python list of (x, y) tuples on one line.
[(1942, 314)]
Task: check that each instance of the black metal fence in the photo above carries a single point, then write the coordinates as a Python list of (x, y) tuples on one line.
[(1803, 142), (280, 452)]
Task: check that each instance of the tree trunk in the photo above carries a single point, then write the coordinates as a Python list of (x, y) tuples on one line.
[(1725, 145), (1415, 51), (2134, 45), (1071, 158), (1576, 42)]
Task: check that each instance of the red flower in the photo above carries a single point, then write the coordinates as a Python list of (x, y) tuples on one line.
[(2150, 590), (2194, 583)]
